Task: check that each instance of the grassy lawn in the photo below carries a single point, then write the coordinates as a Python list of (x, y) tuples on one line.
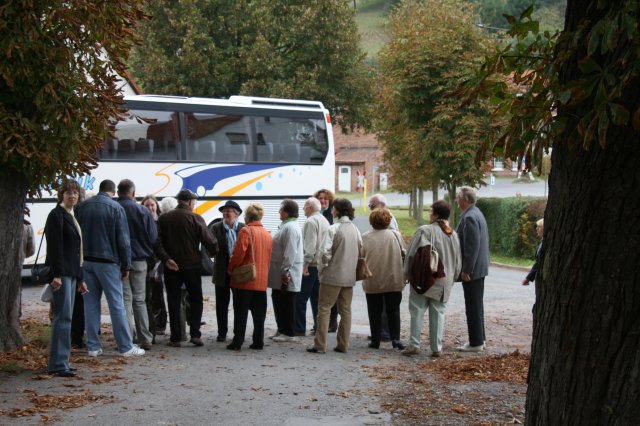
[(370, 18), (408, 227)]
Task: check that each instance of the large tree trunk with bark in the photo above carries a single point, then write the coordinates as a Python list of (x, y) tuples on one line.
[(13, 190), (585, 364)]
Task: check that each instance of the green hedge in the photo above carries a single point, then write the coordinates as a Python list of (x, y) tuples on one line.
[(512, 224)]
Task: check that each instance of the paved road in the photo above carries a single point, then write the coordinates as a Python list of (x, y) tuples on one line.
[(504, 187), (281, 385)]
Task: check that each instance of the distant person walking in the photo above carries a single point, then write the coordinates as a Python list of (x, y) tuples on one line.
[(107, 259), (531, 276), (474, 243), (143, 233), (226, 233), (180, 233)]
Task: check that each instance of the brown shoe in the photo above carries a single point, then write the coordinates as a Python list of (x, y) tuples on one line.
[(174, 344), (196, 341), (145, 345)]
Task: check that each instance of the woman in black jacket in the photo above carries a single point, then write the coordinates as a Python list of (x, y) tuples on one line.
[(64, 256)]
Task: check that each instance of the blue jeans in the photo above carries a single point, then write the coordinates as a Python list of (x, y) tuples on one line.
[(105, 277), (60, 345), (310, 288)]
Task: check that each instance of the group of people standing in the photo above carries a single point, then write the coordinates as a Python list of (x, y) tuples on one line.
[(128, 250)]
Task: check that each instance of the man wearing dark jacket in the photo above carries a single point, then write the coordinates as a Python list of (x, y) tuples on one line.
[(143, 234), (474, 244), (180, 233), (225, 231)]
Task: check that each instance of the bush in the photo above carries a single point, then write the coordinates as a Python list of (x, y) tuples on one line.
[(512, 224)]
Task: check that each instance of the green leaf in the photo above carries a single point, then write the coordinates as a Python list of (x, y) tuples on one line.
[(564, 96), (603, 128), (594, 42), (619, 114), (588, 66)]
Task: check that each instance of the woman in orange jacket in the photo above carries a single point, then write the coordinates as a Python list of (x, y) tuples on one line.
[(252, 246)]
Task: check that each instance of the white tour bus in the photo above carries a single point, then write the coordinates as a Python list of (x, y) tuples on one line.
[(243, 148)]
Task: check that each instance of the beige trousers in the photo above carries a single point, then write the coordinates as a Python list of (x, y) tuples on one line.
[(329, 295)]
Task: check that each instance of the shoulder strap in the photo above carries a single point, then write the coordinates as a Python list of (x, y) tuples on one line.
[(398, 240), (39, 246), (253, 259)]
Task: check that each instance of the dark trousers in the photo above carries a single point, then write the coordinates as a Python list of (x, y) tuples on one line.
[(243, 302), (391, 304), (223, 297), (158, 306), (474, 306), (310, 289), (284, 310), (193, 282), (148, 300), (77, 322)]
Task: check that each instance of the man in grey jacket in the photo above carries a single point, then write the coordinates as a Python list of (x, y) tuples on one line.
[(312, 234), (474, 243)]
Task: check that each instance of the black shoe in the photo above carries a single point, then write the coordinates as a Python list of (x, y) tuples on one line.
[(397, 344), (63, 373), (313, 350), (221, 338), (256, 346), (374, 346), (337, 349), (78, 345), (233, 347)]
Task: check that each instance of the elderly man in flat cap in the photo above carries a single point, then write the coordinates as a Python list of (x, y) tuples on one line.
[(226, 232), (180, 233)]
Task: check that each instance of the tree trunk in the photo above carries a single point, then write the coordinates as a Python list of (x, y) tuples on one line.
[(412, 202), (585, 358), (420, 208), (13, 190), (435, 187)]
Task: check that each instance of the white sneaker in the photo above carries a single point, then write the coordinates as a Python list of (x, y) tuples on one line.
[(467, 348), (95, 353), (275, 335), (134, 351), (285, 338)]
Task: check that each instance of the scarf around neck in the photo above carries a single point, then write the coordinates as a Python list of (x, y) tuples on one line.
[(232, 233)]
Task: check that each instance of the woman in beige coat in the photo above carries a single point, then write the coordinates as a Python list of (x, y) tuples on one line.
[(446, 243), (383, 250), (339, 254)]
